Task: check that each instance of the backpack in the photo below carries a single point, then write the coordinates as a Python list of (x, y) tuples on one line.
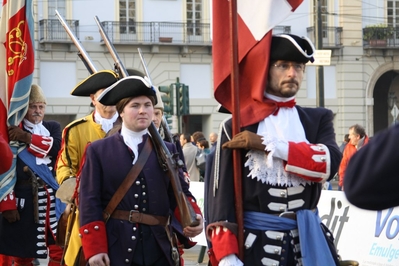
[(200, 160)]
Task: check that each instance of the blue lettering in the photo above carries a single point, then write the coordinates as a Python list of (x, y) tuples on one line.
[(379, 227), (389, 229)]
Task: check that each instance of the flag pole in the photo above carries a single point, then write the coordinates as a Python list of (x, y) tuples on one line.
[(236, 125)]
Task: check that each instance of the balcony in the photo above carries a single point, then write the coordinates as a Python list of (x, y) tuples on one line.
[(158, 33), (51, 31), (378, 37), (331, 37)]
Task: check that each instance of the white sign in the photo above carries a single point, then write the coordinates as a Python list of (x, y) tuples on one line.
[(321, 58), (197, 189), (369, 237)]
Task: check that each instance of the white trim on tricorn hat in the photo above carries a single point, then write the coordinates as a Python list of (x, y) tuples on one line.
[(291, 48), (131, 86), (159, 104), (99, 80)]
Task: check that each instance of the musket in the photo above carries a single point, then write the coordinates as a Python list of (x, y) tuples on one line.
[(35, 190), (187, 214), (82, 52), (72, 213), (164, 125)]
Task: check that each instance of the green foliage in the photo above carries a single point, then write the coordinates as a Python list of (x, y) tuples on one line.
[(378, 32)]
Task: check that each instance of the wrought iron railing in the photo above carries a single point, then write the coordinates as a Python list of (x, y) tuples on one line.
[(51, 30), (173, 33), (331, 36), (158, 32), (380, 37)]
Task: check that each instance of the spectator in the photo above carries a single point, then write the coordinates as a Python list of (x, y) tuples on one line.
[(372, 175), (357, 139), (344, 143), (213, 137), (190, 152)]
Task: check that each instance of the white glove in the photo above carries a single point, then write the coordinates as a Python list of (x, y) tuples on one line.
[(230, 260)]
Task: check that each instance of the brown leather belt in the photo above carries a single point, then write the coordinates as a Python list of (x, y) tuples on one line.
[(139, 217)]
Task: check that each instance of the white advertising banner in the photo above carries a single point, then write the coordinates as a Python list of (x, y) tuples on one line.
[(197, 189), (369, 237)]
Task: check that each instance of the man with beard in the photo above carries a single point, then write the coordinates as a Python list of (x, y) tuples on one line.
[(286, 157)]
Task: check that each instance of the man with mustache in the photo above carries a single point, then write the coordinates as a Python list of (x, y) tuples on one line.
[(29, 213), (286, 156)]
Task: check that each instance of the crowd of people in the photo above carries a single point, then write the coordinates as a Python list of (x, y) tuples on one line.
[(104, 190)]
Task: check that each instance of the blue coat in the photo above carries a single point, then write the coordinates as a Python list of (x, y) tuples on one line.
[(25, 232), (107, 163), (318, 126)]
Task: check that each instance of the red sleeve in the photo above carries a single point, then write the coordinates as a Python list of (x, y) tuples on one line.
[(195, 206), (40, 146), (8, 203), (309, 161), (224, 242), (94, 239)]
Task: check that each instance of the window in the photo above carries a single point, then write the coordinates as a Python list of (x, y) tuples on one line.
[(127, 16), (393, 15), (58, 5), (194, 17)]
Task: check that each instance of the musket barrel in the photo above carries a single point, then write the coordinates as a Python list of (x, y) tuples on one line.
[(75, 40), (111, 48)]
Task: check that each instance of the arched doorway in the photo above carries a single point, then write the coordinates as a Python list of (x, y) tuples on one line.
[(386, 95)]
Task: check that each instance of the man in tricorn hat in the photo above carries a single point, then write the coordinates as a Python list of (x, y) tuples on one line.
[(136, 229), (286, 157), (75, 137), (28, 219)]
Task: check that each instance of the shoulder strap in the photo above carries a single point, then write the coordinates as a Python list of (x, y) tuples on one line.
[(128, 181)]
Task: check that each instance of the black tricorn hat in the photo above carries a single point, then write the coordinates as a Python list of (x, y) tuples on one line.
[(99, 80), (131, 86), (290, 47)]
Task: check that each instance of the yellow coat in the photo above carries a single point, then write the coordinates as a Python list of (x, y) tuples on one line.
[(75, 138)]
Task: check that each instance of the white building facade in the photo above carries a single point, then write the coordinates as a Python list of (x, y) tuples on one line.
[(360, 84)]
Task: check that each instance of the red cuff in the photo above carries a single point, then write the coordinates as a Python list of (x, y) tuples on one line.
[(224, 242), (8, 203), (40, 146), (195, 206), (309, 161), (94, 238)]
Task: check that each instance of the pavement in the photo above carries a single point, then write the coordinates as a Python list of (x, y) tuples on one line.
[(191, 257)]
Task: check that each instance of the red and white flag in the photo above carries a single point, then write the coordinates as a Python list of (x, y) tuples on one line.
[(256, 19), (17, 62)]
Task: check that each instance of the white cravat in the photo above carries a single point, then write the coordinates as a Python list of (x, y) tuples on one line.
[(38, 129), (132, 139), (276, 131), (106, 123)]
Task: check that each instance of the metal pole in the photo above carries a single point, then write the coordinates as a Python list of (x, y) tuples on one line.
[(319, 46)]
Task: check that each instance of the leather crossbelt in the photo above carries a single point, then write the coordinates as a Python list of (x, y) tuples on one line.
[(139, 217)]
